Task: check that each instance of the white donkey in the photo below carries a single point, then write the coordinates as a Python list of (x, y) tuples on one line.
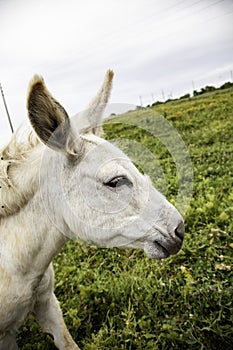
[(78, 187)]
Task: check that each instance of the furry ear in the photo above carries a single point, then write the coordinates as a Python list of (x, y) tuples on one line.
[(48, 118), (96, 108)]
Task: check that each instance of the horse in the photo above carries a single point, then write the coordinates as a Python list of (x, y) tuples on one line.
[(66, 182)]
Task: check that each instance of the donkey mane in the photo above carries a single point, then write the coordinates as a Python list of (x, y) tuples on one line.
[(19, 161)]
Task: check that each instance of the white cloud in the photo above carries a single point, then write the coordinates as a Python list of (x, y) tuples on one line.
[(151, 45)]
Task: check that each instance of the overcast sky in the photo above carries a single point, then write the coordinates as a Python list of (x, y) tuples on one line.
[(157, 48)]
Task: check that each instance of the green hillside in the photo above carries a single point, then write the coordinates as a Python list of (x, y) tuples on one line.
[(115, 299)]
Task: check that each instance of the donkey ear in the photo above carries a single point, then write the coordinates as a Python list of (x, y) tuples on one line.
[(94, 112), (48, 118)]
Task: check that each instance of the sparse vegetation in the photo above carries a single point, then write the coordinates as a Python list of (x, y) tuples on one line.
[(202, 91), (115, 299)]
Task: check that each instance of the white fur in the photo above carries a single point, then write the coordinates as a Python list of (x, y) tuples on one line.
[(49, 196)]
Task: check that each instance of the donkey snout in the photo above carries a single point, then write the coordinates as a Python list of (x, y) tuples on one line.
[(180, 231)]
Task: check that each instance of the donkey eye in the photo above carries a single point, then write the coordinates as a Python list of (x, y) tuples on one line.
[(118, 181)]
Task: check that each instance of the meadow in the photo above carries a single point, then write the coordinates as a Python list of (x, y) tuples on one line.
[(115, 299)]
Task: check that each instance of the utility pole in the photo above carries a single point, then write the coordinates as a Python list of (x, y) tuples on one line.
[(140, 98), (193, 87), (7, 112), (152, 97), (163, 95), (231, 76)]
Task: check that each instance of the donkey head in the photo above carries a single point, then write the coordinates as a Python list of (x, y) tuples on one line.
[(92, 190)]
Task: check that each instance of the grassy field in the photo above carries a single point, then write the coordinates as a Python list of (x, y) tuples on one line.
[(115, 299)]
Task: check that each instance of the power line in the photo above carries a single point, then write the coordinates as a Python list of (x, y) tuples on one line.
[(191, 14), (196, 84), (216, 17), (154, 15)]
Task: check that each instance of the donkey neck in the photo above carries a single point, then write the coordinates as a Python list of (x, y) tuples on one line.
[(28, 239)]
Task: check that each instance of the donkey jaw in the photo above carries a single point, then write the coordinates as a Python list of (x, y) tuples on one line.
[(160, 249)]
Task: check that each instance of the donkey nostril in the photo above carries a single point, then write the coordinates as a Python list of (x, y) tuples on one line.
[(180, 230)]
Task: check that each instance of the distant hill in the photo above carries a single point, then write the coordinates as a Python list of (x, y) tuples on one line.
[(202, 91)]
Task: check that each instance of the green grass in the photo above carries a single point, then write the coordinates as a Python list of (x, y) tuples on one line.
[(121, 299)]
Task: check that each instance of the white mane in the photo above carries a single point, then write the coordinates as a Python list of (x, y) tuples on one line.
[(19, 161)]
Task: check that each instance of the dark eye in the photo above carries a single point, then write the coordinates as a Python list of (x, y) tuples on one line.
[(118, 181)]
